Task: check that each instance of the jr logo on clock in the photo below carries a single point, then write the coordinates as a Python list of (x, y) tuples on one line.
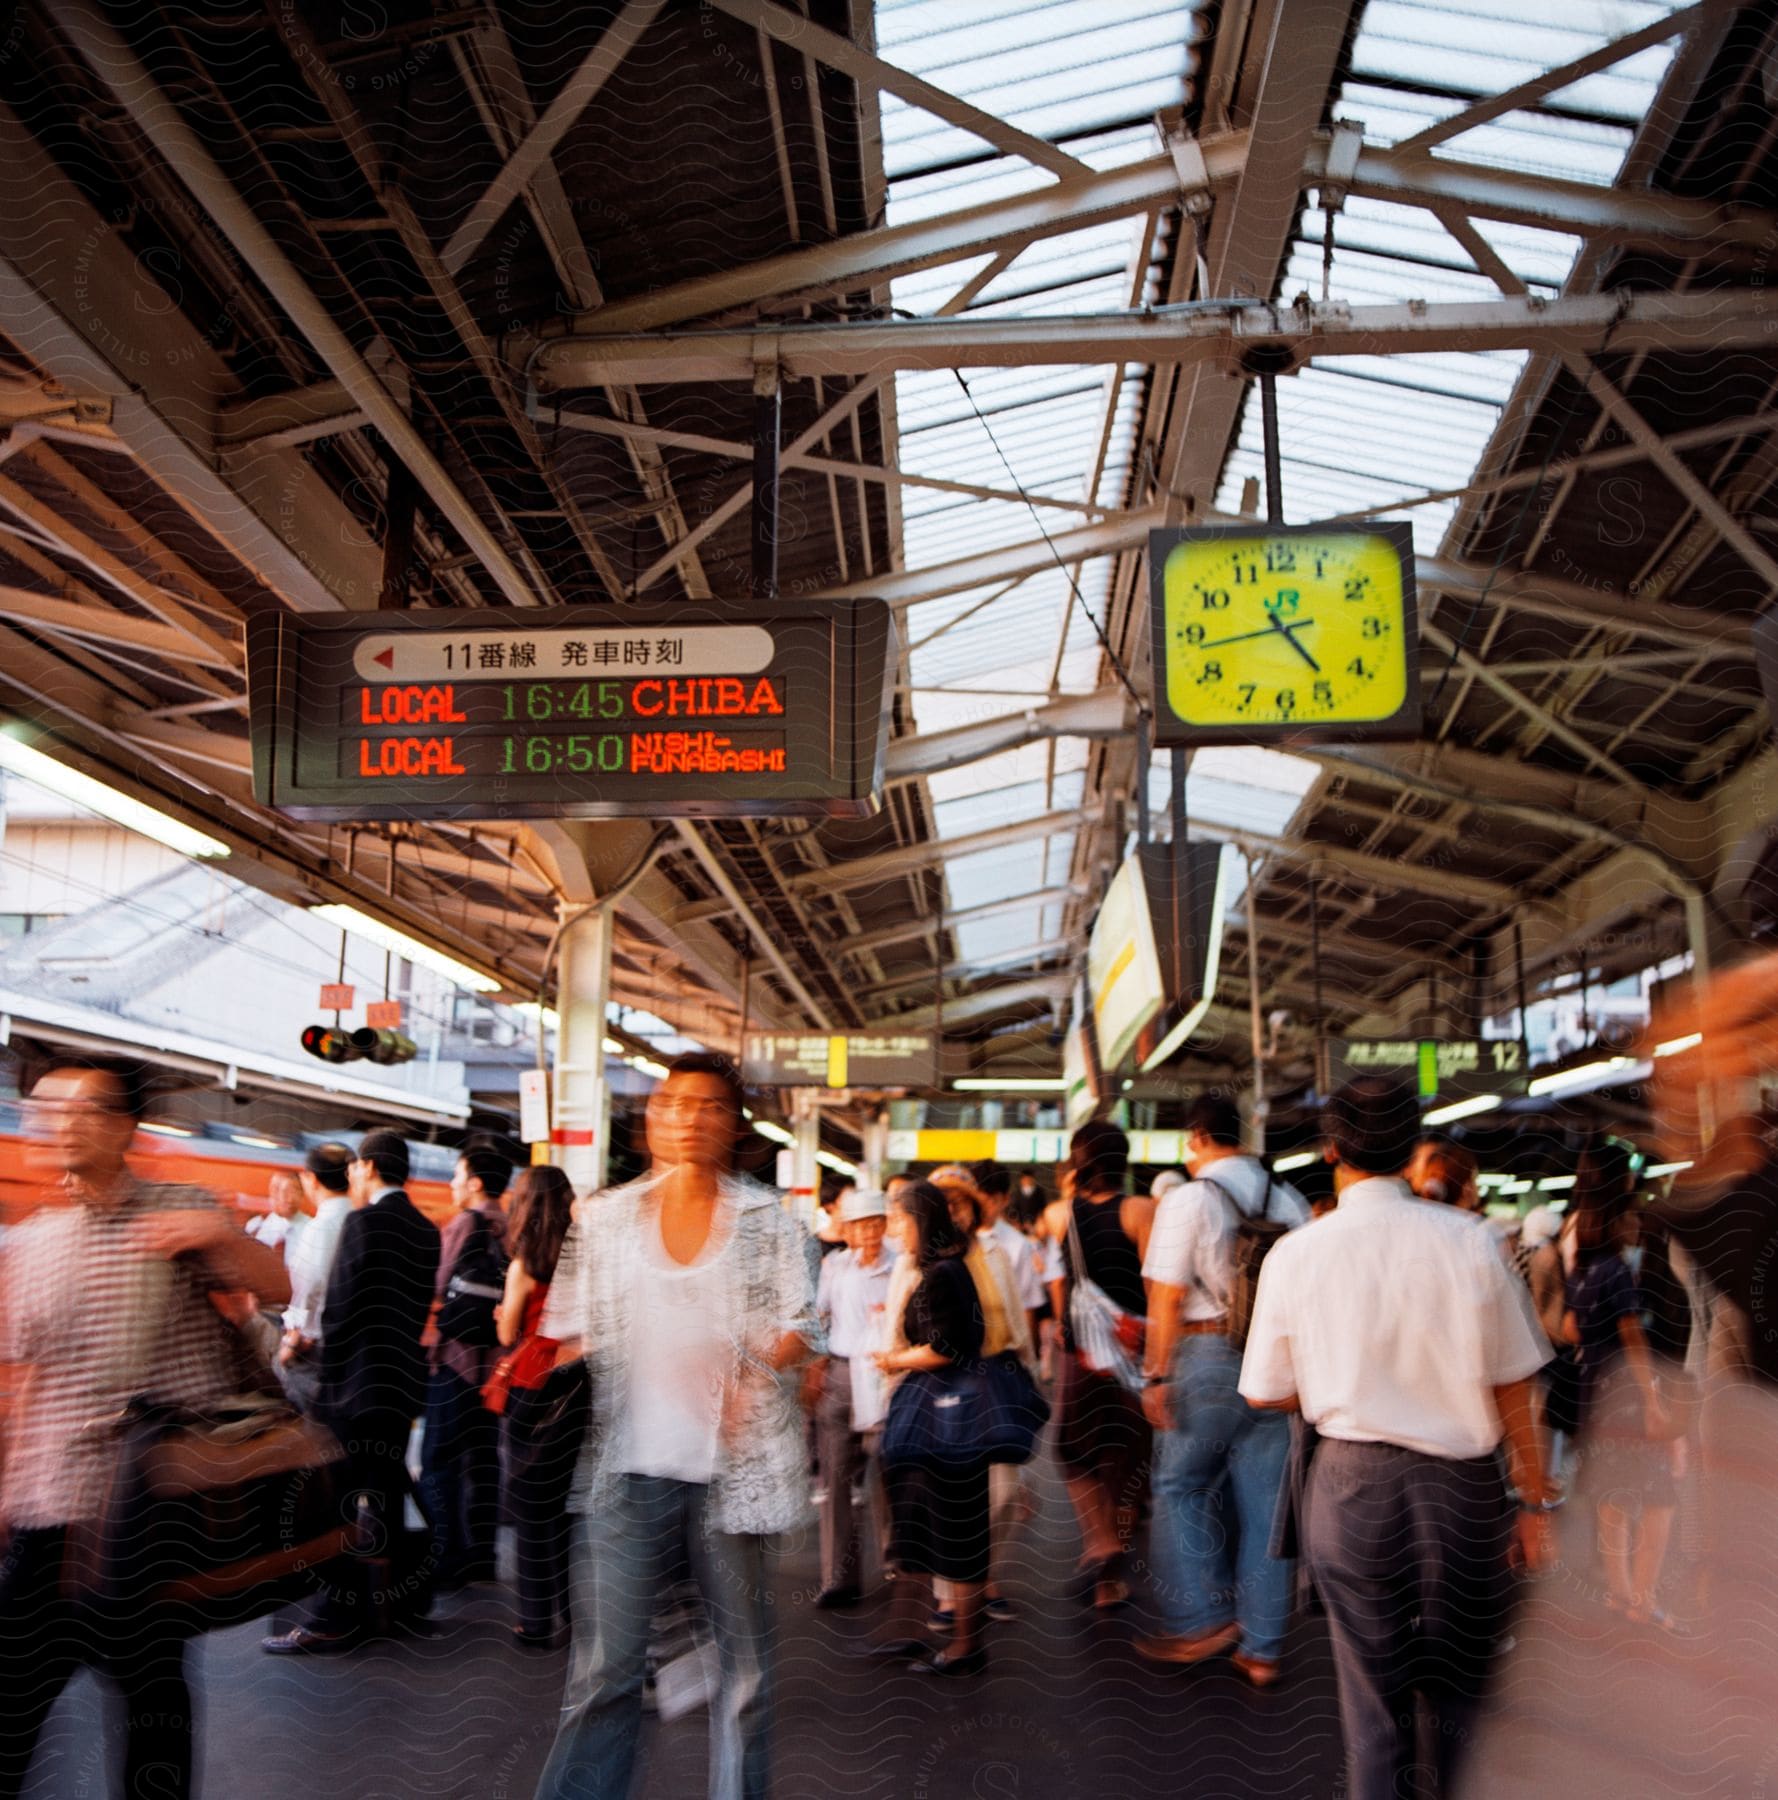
[(1270, 632)]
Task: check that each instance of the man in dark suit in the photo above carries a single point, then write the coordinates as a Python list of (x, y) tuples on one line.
[(372, 1382)]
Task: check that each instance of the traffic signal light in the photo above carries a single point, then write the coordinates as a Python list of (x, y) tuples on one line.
[(330, 1043), (382, 1046)]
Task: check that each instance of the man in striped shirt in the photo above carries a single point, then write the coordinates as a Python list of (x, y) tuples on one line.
[(107, 1297)]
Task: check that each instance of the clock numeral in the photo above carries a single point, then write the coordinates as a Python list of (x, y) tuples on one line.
[(1285, 700), (1215, 599), (1248, 690), (1246, 573), (1211, 671), (1358, 667), (1194, 634), (1280, 559), (1322, 693), (1286, 600), (1356, 586), (1373, 627)]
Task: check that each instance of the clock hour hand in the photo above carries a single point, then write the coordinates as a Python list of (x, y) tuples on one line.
[(1289, 632), (1244, 636)]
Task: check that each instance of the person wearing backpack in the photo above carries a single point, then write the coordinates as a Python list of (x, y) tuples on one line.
[(460, 1453), (1219, 1462)]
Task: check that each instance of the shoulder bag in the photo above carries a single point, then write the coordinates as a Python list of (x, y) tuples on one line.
[(1255, 1234), (1107, 1339)]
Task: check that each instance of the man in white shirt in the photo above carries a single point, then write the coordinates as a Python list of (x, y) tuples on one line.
[(845, 1392), (1219, 1462), (326, 1186), (1405, 1342), (282, 1226)]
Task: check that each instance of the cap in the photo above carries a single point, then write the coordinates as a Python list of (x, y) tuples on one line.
[(1165, 1183), (1542, 1225), (863, 1203)]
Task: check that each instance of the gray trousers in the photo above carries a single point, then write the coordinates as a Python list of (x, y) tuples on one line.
[(844, 1455), (1408, 1554)]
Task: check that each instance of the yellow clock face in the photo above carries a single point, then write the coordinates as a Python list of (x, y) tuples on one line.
[(1264, 632)]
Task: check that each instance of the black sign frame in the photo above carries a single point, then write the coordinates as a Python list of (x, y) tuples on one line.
[(831, 668)]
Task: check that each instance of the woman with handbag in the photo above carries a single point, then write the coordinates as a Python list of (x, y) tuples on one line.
[(1103, 1441), (542, 1407), (938, 1498), (1626, 1431)]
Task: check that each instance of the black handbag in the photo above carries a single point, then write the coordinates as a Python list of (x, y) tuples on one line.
[(966, 1413), (476, 1287)]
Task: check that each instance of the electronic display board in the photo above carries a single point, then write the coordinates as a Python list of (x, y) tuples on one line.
[(856, 1059), (776, 709), (1444, 1069)]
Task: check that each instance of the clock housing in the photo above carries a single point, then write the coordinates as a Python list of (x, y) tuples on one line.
[(1284, 633)]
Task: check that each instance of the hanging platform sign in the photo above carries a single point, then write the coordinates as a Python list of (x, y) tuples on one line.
[(857, 1059), (1455, 1069), (1265, 634), (776, 709)]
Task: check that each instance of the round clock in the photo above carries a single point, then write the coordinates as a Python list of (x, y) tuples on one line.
[(1264, 632)]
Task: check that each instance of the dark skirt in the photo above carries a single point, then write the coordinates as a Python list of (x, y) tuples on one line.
[(940, 1520), (1100, 1431)]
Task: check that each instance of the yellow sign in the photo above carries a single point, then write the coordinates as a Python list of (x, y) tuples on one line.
[(1265, 632)]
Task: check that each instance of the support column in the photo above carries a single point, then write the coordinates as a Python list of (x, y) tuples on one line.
[(582, 1123), (805, 1172), (876, 1153)]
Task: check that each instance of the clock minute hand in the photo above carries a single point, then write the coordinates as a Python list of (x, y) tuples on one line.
[(1288, 632), (1243, 636)]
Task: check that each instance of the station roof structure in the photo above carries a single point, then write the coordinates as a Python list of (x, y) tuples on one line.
[(274, 293)]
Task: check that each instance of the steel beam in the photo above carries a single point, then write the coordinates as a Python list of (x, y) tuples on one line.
[(864, 943), (1218, 332), (869, 258), (890, 865), (869, 71), (1107, 713), (1045, 990)]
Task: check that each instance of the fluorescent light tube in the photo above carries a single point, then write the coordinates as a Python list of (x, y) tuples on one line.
[(18, 758), (362, 924)]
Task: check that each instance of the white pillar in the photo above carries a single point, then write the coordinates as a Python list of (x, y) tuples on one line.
[(805, 1172), (876, 1152), (582, 1131)]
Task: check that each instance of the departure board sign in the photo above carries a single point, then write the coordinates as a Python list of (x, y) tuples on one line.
[(1456, 1069), (858, 1059), (767, 709)]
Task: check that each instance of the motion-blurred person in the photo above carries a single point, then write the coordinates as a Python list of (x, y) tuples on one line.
[(830, 1233), (1442, 1170), (1219, 1463), (1625, 1429), (1405, 1342), (1103, 1438), (845, 1392), (372, 1379), (108, 1298), (326, 1181), (940, 1514), (690, 1294), (1029, 1201), (993, 1186), (1005, 1332), (283, 1224), (460, 1449), (544, 1416)]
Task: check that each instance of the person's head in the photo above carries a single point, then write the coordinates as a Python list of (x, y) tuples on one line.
[(1600, 1202), (1099, 1158), (1164, 1183), (480, 1177), (382, 1162), (1371, 1125), (285, 1193), (697, 1113), (994, 1185), (1028, 1183), (1444, 1171), (1212, 1129), (920, 1221), (864, 1221), (542, 1207), (326, 1172), (1027, 1204), (895, 1184), (82, 1114)]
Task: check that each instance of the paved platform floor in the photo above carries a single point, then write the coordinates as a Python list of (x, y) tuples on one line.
[(1064, 1711)]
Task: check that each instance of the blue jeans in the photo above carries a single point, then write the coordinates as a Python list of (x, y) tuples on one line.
[(619, 1562), (1216, 1480)]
